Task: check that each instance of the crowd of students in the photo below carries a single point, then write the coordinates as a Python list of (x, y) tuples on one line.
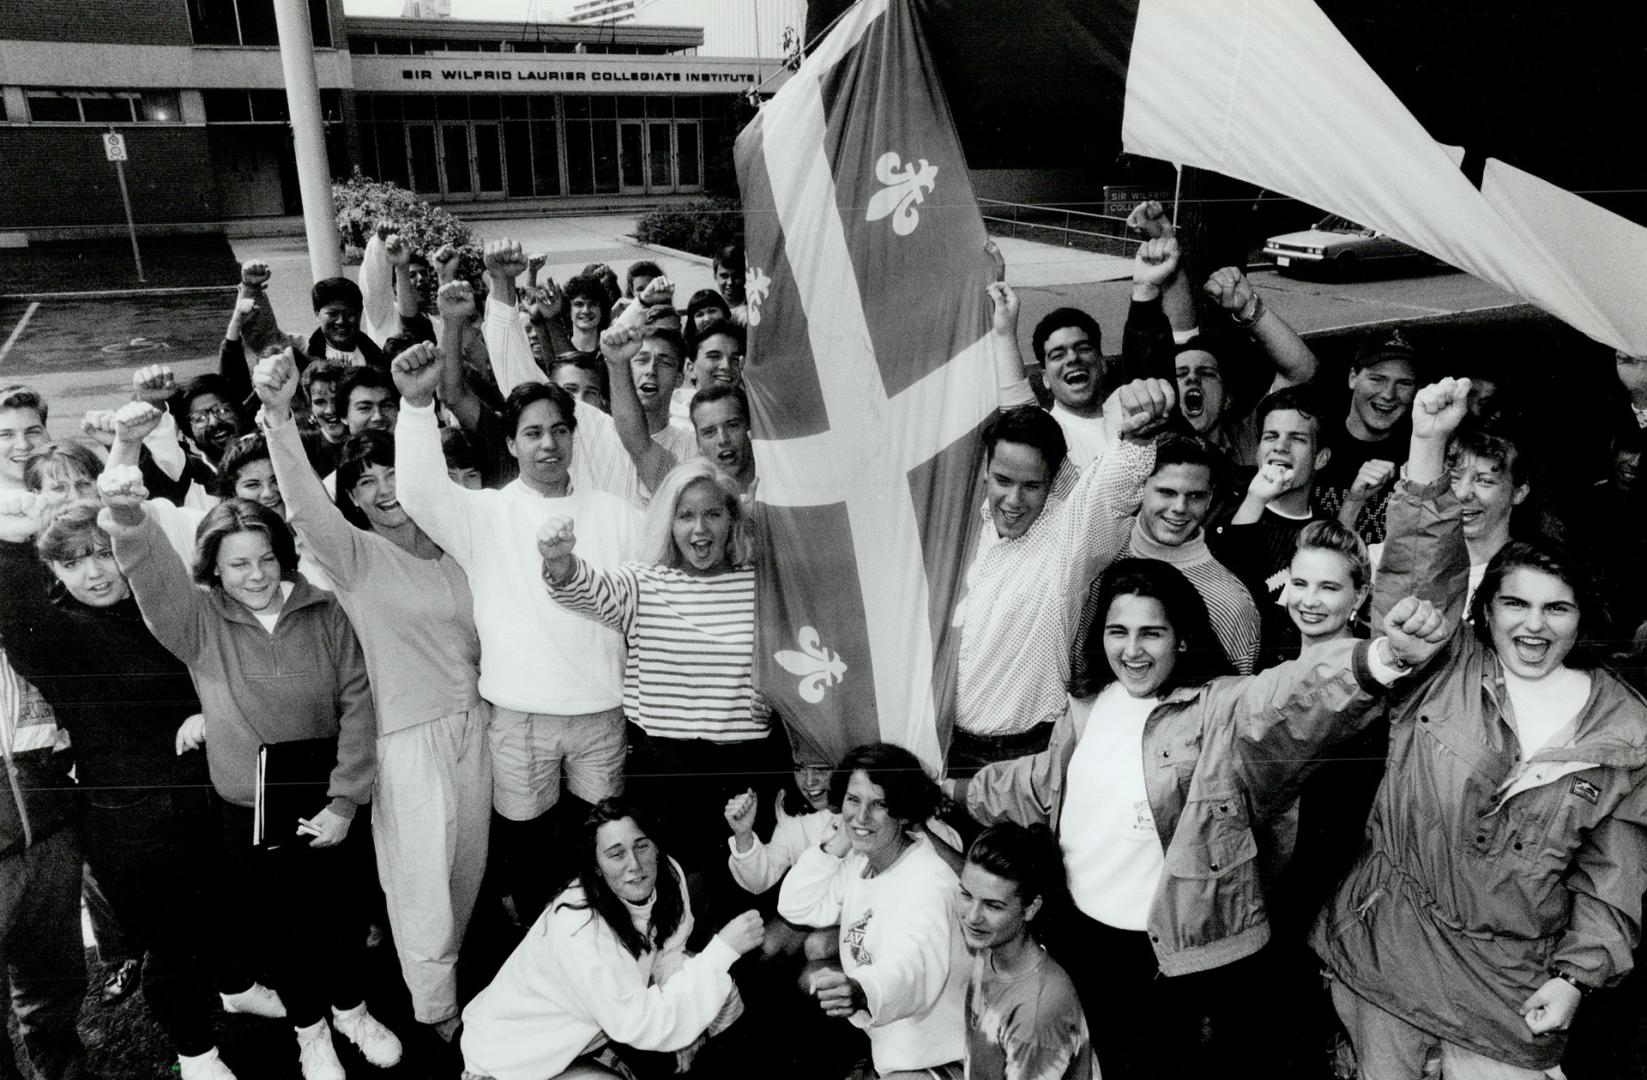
[(1256, 685)]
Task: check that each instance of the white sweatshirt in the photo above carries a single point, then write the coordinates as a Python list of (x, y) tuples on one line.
[(571, 986), (535, 655), (900, 940), (765, 864)]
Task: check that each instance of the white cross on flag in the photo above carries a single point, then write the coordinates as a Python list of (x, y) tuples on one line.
[(870, 374)]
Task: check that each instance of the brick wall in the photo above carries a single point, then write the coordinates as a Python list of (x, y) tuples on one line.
[(59, 176), (122, 22)]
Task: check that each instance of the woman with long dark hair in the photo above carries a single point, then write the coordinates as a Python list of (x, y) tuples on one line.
[(1502, 875), (274, 660), (1158, 774), (605, 967)]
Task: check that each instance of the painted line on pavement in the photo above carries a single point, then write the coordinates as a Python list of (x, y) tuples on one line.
[(17, 331)]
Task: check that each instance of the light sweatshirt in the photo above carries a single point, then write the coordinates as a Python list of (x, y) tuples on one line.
[(900, 940), (304, 680), (765, 864), (571, 986), (535, 655), (415, 617)]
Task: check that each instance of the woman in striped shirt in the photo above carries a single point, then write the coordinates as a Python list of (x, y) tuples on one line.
[(699, 734)]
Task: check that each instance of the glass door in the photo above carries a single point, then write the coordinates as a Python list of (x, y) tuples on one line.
[(423, 158), (488, 160), (632, 157), (660, 156), (457, 164)]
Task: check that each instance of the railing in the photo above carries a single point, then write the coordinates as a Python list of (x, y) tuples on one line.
[(1103, 233)]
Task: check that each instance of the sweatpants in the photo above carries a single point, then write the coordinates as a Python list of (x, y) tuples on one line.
[(431, 811)]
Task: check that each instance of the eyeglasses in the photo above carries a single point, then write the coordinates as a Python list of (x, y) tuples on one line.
[(222, 412)]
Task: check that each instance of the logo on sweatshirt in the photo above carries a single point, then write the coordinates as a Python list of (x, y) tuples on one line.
[(854, 937), (1586, 791)]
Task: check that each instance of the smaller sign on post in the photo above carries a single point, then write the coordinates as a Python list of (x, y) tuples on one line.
[(114, 147)]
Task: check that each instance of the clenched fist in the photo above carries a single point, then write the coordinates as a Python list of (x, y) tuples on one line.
[(1414, 630)]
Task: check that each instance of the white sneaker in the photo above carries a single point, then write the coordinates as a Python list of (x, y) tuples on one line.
[(377, 1044), (259, 1000), (316, 1055), (207, 1066)]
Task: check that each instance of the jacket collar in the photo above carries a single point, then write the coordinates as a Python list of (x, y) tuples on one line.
[(303, 595), (1609, 729)]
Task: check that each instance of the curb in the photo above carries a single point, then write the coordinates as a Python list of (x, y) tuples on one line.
[(673, 253), (181, 290)]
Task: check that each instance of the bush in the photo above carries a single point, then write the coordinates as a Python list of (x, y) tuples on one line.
[(362, 202), (702, 226)]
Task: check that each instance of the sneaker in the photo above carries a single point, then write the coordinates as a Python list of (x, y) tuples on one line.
[(377, 1044), (207, 1066), (316, 1055), (258, 1000), (122, 980)]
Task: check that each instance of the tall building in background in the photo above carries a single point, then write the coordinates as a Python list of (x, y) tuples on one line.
[(600, 11), (730, 27)]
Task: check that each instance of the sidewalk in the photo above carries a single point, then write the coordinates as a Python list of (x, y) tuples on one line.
[(573, 242)]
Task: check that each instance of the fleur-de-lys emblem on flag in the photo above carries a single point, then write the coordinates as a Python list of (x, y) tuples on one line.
[(819, 667), (757, 283), (906, 188)]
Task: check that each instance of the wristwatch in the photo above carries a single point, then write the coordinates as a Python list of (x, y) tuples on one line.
[(1583, 990)]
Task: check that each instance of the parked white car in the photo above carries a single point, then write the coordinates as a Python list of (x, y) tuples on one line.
[(1338, 246)]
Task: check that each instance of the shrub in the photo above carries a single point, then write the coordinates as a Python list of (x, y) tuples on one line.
[(362, 202), (702, 226)]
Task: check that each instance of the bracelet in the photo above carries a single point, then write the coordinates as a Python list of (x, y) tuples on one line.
[(1246, 321), (1583, 990)]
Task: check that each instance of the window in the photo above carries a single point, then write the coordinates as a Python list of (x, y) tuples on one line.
[(260, 106), (250, 22), (103, 107)]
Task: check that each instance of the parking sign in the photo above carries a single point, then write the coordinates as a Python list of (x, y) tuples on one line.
[(114, 145)]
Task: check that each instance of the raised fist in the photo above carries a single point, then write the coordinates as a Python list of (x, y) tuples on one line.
[(539, 304), (456, 302), (740, 813), (275, 381), (1370, 479), (556, 539), (535, 263), (384, 228), (416, 373), (136, 421), (619, 344), (504, 258), (1150, 218), (121, 487), (997, 261), (243, 308), (1439, 408), (1004, 308), (1144, 406), (99, 424), (1230, 289), (398, 251), (445, 261), (660, 290), (155, 384), (1415, 630), (1156, 261), (1271, 481), (20, 513), (255, 273)]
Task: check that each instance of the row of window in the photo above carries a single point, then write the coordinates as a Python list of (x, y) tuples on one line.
[(535, 106), (363, 44), (250, 22), (161, 107)]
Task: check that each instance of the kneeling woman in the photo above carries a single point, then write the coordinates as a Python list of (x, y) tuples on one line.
[(274, 660), (1156, 777), (605, 964)]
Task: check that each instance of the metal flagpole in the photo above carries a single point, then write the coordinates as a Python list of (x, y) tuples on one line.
[(297, 62)]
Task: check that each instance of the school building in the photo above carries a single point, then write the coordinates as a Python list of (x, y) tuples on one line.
[(457, 111)]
